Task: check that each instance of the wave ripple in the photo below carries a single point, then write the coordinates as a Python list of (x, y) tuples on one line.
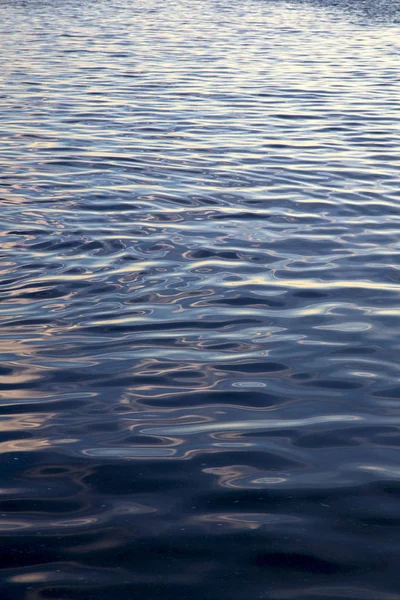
[(199, 295)]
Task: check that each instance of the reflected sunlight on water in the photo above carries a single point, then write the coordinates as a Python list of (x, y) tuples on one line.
[(200, 278)]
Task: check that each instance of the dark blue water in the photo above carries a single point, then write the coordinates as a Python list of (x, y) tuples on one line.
[(200, 277)]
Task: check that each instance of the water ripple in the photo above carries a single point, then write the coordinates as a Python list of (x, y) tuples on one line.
[(199, 297)]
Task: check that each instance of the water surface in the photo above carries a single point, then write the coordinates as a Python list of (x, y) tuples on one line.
[(200, 218)]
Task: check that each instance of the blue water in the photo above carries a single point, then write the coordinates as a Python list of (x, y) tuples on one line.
[(200, 277)]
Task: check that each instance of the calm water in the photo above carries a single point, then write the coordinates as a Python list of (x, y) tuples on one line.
[(200, 219)]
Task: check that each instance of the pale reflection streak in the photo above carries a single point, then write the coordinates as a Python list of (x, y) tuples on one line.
[(243, 520), (262, 424)]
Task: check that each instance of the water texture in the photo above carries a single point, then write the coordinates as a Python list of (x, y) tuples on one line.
[(200, 218)]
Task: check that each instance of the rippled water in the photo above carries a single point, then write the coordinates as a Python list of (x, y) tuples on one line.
[(200, 218)]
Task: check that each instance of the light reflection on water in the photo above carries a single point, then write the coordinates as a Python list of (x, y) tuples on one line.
[(200, 278)]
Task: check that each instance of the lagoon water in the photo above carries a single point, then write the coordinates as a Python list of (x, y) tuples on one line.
[(199, 378)]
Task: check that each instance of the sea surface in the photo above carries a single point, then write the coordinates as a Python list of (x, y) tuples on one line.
[(200, 300)]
